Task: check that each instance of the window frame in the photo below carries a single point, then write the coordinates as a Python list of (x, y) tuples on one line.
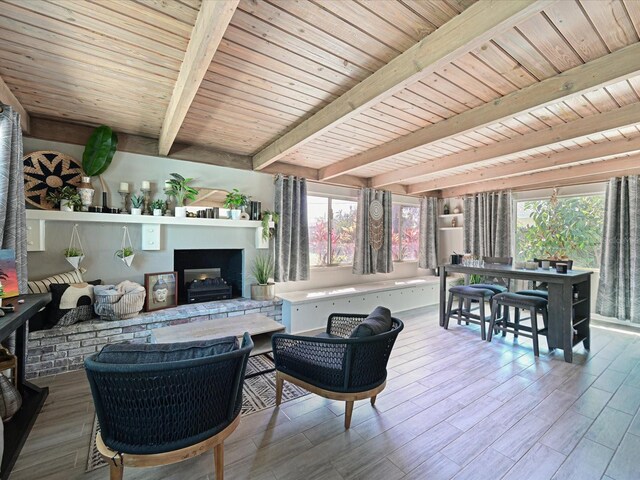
[(401, 205), (330, 199)]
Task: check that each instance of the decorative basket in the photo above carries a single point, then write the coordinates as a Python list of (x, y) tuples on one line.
[(118, 302), (10, 399)]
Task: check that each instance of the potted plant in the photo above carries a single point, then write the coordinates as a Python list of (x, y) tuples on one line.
[(234, 203), (268, 216), (262, 270), (126, 255), (98, 154), (136, 204), (158, 206), (179, 188), (74, 256), (66, 197)]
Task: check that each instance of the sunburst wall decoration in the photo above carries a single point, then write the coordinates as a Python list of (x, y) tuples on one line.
[(45, 171)]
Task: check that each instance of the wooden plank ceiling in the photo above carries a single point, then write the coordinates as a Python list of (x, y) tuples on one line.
[(552, 87)]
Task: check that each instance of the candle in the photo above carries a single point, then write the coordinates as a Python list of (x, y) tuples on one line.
[(124, 187), (145, 185)]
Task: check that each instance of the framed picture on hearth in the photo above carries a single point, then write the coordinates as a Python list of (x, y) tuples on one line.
[(162, 290)]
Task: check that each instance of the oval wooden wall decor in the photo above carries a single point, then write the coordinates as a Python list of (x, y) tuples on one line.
[(44, 171)]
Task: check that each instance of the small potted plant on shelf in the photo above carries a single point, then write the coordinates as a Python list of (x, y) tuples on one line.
[(126, 255), (74, 256), (136, 204), (262, 270), (179, 188), (268, 216), (158, 206), (234, 203), (66, 197)]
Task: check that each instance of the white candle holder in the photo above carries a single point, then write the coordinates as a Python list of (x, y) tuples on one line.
[(146, 193), (123, 197)]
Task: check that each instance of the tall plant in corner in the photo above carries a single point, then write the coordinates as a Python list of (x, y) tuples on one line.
[(98, 154)]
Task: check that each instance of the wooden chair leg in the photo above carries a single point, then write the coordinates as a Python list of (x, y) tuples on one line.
[(218, 458), (373, 400), (483, 331), (534, 331), (347, 414), (116, 472), (448, 315), (279, 382)]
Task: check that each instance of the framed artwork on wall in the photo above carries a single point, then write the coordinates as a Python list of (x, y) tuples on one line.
[(162, 290), (8, 274)]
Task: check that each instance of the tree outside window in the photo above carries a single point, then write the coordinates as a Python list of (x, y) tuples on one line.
[(405, 232), (332, 230), (562, 228)]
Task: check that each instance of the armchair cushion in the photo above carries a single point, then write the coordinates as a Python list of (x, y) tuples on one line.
[(378, 321), (134, 353)]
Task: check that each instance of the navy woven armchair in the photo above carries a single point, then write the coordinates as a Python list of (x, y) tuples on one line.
[(163, 403), (336, 364)]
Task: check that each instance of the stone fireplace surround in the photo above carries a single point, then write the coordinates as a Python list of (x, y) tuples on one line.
[(63, 349)]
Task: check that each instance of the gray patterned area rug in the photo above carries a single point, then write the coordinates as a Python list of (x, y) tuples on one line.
[(259, 393)]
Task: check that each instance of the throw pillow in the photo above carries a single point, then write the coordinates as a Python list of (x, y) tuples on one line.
[(43, 286), (71, 303), (137, 353), (378, 321)]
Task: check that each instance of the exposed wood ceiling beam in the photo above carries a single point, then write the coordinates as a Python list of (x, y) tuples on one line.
[(530, 165), (8, 98), (211, 23), (568, 175), (465, 32), (572, 182), (618, 118), (598, 73)]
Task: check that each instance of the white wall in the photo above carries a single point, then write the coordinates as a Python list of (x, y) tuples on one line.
[(100, 241)]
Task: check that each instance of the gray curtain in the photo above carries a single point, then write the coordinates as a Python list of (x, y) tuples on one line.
[(13, 222), (428, 253), (366, 259), (487, 224), (619, 288), (292, 231)]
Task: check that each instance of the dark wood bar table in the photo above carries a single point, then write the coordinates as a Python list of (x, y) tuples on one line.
[(568, 317), (17, 429)]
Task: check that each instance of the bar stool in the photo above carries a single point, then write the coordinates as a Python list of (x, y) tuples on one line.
[(466, 295), (519, 302)]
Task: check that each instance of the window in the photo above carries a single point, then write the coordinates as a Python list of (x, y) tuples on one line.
[(332, 230), (561, 227), (405, 232)]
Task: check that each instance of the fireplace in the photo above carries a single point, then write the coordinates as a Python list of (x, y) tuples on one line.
[(208, 274)]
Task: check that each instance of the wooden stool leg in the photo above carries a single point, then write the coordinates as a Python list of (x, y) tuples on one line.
[(347, 414), (115, 471), (483, 332), (534, 331), (373, 400), (279, 382), (505, 319), (448, 315), (459, 310), (494, 312), (218, 458), (516, 321)]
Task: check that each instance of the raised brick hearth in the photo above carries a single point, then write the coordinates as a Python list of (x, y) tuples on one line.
[(64, 349)]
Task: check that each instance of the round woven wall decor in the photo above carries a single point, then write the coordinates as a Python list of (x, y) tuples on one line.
[(44, 171)]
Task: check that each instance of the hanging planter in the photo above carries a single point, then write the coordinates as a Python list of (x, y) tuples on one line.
[(74, 254), (126, 253)]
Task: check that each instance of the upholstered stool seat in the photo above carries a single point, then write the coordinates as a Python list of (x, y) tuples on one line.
[(490, 286), (535, 293), (518, 302), (465, 295)]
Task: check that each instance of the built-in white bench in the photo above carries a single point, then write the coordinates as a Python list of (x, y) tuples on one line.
[(309, 309)]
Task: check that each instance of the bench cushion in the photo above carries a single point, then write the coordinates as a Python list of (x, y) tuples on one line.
[(135, 353), (519, 301), (378, 321), (535, 293), (490, 286), (469, 291)]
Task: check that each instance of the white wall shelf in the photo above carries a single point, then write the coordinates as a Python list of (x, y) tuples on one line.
[(449, 215), (58, 216), (450, 228)]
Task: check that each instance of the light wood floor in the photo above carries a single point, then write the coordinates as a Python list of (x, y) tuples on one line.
[(454, 407)]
